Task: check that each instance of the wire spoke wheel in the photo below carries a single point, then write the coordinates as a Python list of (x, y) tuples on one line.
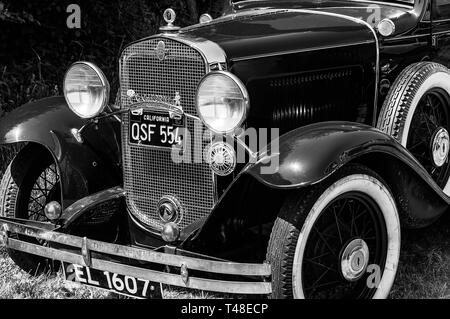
[(339, 239), (349, 218), (428, 138), (416, 113), (44, 190), (30, 182)]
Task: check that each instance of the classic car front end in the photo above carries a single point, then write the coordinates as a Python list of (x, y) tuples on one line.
[(241, 155)]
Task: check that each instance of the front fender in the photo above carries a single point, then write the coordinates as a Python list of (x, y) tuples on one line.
[(310, 154), (48, 122), (35, 122)]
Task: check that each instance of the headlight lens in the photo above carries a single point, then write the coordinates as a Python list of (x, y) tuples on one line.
[(86, 89), (222, 102)]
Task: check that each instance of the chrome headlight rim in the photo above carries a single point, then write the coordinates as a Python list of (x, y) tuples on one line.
[(386, 23), (245, 97), (104, 81)]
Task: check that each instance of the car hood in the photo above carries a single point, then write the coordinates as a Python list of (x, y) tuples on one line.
[(271, 27)]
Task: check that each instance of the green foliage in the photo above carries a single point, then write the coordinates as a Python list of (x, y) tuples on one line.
[(37, 47)]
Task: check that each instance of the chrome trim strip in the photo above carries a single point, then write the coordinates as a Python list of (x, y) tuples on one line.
[(212, 53), (325, 47), (406, 6), (441, 32), (406, 37), (239, 287), (231, 268), (250, 152)]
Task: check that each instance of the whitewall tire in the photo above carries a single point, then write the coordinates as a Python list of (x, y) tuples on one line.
[(299, 255), (416, 113)]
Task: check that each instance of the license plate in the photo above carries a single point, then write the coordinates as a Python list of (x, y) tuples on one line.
[(125, 285), (155, 128)]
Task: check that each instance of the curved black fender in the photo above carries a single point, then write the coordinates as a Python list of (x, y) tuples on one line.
[(309, 155), (85, 168)]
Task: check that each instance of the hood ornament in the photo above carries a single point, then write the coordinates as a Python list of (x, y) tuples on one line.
[(169, 16)]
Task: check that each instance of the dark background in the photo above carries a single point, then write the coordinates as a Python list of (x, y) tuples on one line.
[(37, 47)]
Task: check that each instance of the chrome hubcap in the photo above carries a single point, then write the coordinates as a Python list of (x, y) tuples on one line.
[(440, 146), (354, 259)]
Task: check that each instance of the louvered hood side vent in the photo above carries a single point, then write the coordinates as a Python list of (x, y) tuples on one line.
[(292, 101)]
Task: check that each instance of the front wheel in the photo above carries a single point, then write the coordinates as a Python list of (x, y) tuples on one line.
[(337, 240), (29, 183)]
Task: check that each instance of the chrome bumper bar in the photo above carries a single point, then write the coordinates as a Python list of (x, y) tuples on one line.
[(87, 252)]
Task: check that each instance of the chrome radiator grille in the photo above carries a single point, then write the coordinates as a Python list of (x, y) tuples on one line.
[(150, 173)]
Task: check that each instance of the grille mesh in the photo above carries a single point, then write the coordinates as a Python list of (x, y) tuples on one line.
[(150, 173)]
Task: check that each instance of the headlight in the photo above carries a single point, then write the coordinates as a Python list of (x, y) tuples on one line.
[(86, 89), (222, 101)]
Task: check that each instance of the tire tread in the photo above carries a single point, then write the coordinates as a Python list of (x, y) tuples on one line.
[(397, 104), (287, 227)]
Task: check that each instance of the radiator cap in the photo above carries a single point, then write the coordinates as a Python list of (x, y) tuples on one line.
[(169, 16)]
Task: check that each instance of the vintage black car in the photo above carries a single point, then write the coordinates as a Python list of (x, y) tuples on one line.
[(276, 151)]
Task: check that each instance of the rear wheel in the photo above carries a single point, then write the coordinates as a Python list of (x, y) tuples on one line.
[(336, 241), (428, 137), (417, 113), (29, 183)]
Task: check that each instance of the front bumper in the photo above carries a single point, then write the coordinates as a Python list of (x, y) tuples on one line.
[(247, 278)]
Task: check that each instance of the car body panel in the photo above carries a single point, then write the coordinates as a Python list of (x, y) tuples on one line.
[(311, 153), (48, 122), (279, 31)]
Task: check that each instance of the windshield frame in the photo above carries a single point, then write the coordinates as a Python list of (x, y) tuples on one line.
[(393, 2), (397, 2)]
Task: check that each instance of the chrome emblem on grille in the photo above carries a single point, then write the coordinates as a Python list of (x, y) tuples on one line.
[(221, 158), (161, 51), (170, 103), (170, 209), (177, 99), (131, 93)]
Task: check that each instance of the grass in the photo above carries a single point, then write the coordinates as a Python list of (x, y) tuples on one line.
[(424, 270), (424, 273), (16, 284)]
